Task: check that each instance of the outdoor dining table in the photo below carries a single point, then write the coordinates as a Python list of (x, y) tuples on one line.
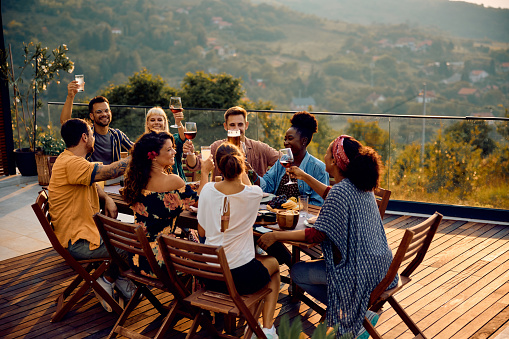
[(188, 219)]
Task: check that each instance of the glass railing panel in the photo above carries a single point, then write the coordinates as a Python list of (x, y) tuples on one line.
[(445, 160)]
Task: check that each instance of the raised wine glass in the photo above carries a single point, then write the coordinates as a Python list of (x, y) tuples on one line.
[(286, 159), (175, 107), (190, 132)]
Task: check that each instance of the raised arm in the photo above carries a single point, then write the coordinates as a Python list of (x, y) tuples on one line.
[(317, 186), (72, 89), (206, 167), (113, 170), (179, 116)]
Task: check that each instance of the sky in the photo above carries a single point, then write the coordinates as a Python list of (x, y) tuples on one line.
[(489, 3)]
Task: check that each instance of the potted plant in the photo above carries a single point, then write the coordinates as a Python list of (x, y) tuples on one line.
[(39, 67), (51, 147)]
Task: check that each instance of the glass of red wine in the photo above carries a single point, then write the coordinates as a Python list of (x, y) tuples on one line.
[(190, 132), (175, 107), (286, 159)]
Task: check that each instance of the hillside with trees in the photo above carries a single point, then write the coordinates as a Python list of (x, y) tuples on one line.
[(216, 54), (278, 54)]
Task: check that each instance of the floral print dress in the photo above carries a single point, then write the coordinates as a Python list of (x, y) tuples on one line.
[(157, 212)]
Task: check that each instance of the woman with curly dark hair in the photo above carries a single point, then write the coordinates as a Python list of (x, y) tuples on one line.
[(297, 138), (350, 230), (157, 196)]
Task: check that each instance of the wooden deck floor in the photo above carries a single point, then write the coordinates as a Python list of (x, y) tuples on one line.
[(460, 291)]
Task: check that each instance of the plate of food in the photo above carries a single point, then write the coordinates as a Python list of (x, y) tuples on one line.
[(267, 197)]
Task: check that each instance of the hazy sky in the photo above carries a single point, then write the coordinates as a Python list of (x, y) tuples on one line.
[(490, 3)]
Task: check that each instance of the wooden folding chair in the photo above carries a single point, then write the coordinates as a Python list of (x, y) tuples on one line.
[(131, 238), (209, 262), (82, 267), (411, 251), (382, 199)]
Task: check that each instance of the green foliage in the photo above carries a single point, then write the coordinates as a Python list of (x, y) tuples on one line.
[(294, 330), (142, 89), (370, 134), (202, 90), (475, 133), (50, 142), (46, 66)]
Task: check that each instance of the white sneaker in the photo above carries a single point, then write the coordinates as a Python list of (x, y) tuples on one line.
[(126, 287), (270, 333), (259, 250), (108, 287)]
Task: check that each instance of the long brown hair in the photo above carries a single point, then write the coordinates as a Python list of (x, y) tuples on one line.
[(138, 172)]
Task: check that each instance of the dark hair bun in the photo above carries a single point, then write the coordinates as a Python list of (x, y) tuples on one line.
[(304, 121)]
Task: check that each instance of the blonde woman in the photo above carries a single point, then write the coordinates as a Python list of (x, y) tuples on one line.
[(156, 120)]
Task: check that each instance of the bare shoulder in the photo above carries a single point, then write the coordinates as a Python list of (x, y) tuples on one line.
[(165, 183)]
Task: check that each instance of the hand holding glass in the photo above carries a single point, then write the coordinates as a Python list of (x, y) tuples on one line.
[(190, 132), (80, 78), (175, 107), (286, 159)]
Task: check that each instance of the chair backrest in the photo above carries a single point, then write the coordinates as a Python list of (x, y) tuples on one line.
[(412, 249), (199, 260), (382, 199), (41, 210), (130, 238)]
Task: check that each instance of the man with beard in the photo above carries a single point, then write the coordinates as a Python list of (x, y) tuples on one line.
[(74, 199), (108, 141), (259, 156)]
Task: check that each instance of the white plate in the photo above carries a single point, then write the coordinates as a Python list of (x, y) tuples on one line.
[(308, 224), (267, 197)]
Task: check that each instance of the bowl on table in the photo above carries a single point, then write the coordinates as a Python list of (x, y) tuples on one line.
[(287, 220)]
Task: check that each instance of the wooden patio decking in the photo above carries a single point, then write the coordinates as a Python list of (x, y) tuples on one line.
[(460, 291)]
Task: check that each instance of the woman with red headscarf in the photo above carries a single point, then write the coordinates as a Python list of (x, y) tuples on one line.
[(350, 230)]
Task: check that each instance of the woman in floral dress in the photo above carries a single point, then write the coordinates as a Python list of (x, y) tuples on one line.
[(157, 196)]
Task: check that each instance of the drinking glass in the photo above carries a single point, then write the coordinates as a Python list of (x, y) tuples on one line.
[(234, 137), (303, 205), (175, 107), (80, 78), (286, 159), (205, 152), (190, 132)]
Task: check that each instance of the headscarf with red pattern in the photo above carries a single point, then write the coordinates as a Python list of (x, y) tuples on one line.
[(338, 152)]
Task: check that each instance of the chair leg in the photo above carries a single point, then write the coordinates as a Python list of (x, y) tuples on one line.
[(64, 306), (153, 300), (371, 329), (168, 320), (405, 317), (252, 322), (125, 314), (194, 325)]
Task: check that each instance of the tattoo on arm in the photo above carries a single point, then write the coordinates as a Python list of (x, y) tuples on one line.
[(116, 169)]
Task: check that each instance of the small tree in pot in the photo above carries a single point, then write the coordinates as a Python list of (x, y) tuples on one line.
[(45, 66)]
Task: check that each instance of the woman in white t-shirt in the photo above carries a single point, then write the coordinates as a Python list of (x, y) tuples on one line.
[(226, 216)]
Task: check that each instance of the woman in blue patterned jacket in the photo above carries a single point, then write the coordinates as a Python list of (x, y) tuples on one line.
[(350, 230)]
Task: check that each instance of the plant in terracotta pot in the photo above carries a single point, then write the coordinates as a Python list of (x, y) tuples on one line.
[(51, 145), (38, 68)]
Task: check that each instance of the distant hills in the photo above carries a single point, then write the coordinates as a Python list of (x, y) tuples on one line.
[(461, 19)]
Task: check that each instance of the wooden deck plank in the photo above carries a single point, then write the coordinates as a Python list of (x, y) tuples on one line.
[(460, 291)]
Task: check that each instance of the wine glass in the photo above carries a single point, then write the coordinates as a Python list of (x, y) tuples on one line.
[(190, 132), (175, 107), (286, 159)]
